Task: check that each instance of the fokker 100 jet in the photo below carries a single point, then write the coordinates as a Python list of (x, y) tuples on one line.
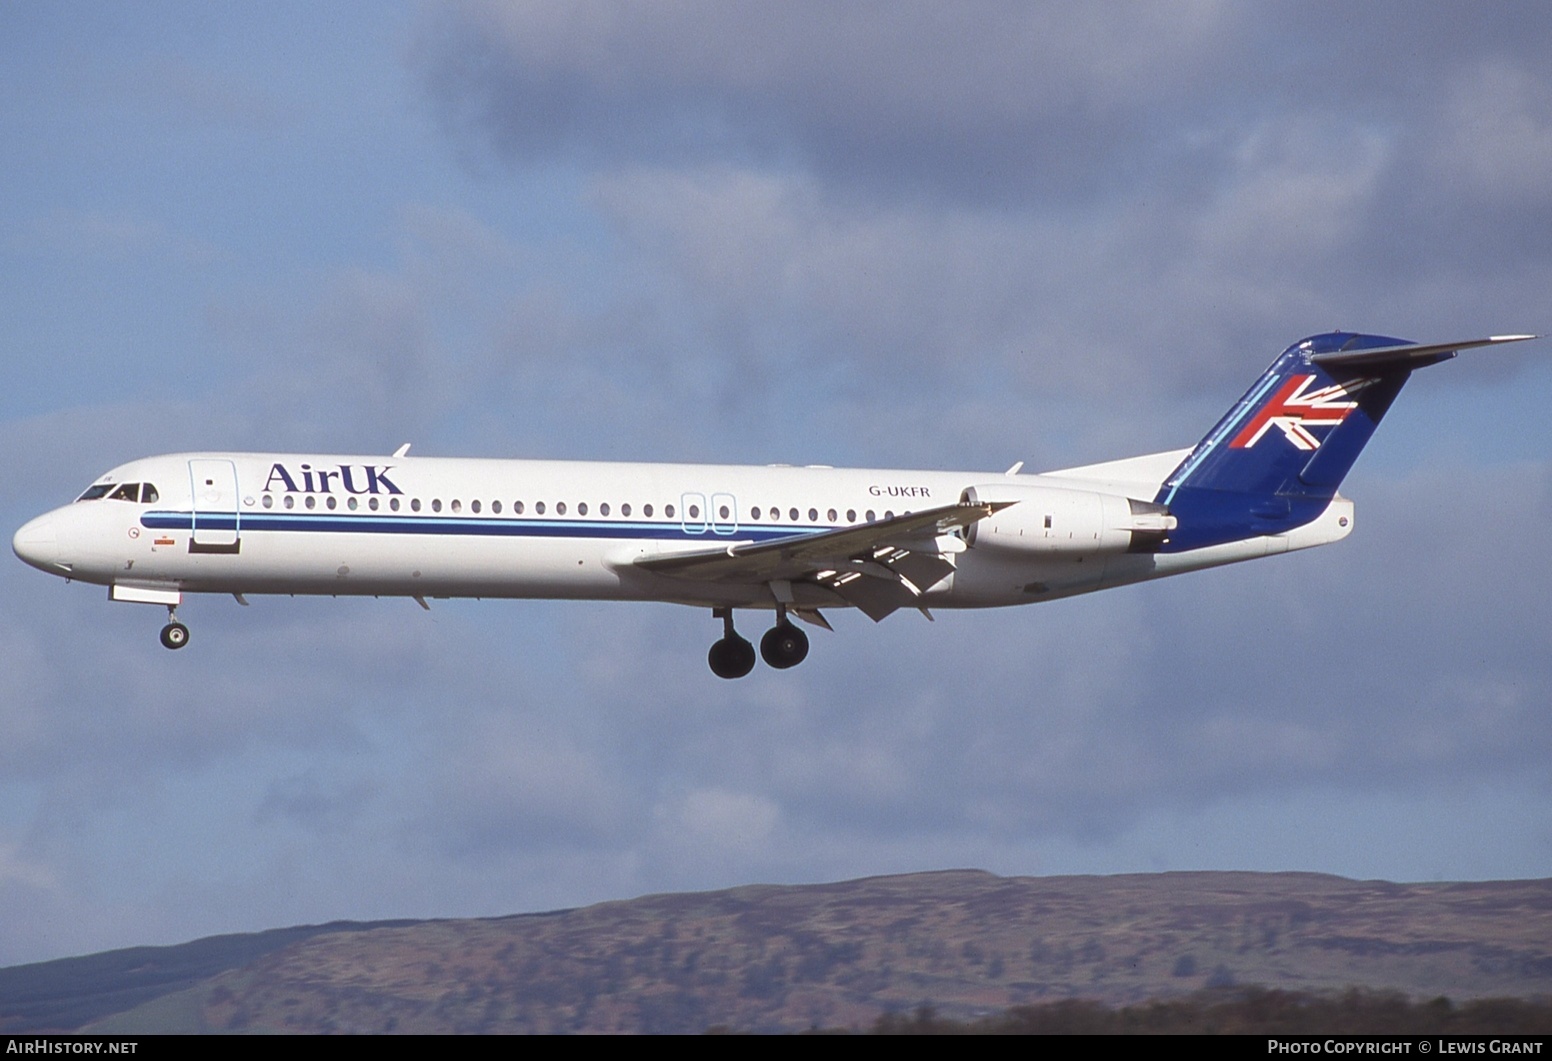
[(796, 541)]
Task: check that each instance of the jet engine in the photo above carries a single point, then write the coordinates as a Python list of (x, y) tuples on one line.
[(1052, 521)]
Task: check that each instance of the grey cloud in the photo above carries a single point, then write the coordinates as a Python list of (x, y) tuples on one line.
[(989, 100), (1271, 167), (992, 102)]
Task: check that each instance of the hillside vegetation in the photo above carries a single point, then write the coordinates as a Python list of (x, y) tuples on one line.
[(967, 944)]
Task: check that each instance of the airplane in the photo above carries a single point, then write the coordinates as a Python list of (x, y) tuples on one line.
[(793, 540)]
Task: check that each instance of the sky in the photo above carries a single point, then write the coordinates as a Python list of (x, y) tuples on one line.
[(889, 235)]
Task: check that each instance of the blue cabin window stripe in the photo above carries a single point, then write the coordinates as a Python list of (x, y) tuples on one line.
[(335, 523)]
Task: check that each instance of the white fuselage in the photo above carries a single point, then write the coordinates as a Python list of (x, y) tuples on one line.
[(432, 527)]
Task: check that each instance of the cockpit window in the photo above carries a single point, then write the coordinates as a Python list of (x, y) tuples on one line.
[(144, 493)]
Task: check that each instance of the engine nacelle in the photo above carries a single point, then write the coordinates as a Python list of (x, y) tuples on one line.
[(1051, 521)]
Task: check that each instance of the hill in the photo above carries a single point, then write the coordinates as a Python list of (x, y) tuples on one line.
[(794, 957)]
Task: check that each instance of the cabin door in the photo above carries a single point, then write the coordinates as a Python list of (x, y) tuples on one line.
[(216, 519)]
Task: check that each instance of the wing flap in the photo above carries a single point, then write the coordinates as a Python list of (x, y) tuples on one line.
[(874, 597)]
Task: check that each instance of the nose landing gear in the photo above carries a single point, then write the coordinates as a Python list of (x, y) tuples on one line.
[(174, 634)]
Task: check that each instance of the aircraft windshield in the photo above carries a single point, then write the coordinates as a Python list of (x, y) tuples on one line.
[(144, 493)]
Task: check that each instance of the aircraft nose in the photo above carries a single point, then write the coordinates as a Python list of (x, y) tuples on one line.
[(37, 543)]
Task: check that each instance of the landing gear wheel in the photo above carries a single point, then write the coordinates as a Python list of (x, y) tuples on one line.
[(783, 646), (731, 657), (175, 635)]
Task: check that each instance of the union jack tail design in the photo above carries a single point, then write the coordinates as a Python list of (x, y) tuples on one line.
[(1325, 396), (1296, 408), (1276, 458)]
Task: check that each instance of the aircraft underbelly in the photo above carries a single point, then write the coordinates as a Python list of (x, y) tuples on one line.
[(408, 565)]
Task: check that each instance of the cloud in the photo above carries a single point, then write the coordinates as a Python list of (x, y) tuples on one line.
[(995, 100), (1497, 134), (123, 236)]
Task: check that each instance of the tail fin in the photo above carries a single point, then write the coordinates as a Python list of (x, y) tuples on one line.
[(1276, 458)]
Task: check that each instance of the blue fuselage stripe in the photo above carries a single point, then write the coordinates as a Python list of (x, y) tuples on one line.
[(332, 523)]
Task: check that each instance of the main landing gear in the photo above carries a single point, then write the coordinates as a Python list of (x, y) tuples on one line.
[(174, 634), (732, 656), (783, 646)]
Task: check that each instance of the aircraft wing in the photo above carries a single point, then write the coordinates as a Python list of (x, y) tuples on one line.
[(878, 567)]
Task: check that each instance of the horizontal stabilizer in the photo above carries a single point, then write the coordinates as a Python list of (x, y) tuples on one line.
[(1410, 355)]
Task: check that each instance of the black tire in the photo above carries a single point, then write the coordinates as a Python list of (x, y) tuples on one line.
[(175, 635), (731, 657), (783, 646)]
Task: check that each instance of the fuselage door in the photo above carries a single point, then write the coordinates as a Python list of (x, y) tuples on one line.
[(724, 514), (216, 520)]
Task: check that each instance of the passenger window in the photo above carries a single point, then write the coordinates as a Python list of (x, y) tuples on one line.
[(603, 509), (813, 515), (668, 510), (148, 495), (646, 510), (624, 510), (371, 503), (474, 506), (457, 505), (754, 513), (582, 509), (794, 514), (495, 508), (268, 501), (393, 503), (329, 503), (851, 515), (539, 507), (436, 504), (311, 501), (830, 515), (415, 504), (351, 504), (722, 513), (289, 502), (560, 508), (695, 512), (870, 515), (517, 507)]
